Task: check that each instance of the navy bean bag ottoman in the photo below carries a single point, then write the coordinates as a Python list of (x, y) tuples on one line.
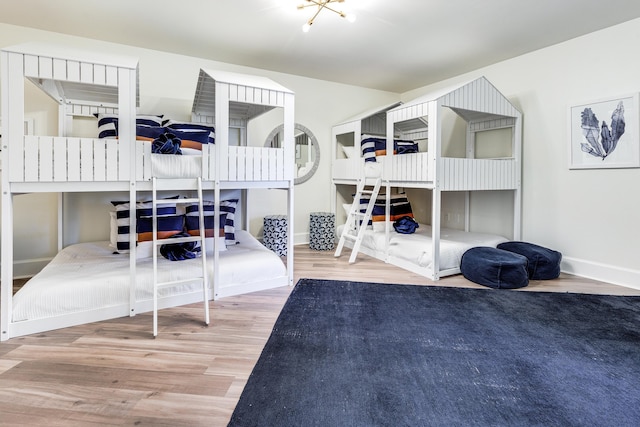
[(543, 263), (495, 268)]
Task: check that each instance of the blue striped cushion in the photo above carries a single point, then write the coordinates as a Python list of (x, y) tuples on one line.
[(227, 211), (399, 207), (143, 222), (374, 146), (108, 123)]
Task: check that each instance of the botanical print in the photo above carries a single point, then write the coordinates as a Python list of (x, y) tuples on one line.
[(601, 143), (604, 134)]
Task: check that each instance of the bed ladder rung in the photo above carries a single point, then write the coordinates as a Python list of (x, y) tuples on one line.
[(357, 221), (176, 240), (168, 184)]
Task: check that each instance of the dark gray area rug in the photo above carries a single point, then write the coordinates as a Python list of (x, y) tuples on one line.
[(365, 354)]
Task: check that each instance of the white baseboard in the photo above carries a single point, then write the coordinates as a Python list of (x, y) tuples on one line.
[(28, 267), (601, 272)]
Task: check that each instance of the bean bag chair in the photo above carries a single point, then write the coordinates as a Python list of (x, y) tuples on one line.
[(495, 268), (543, 263)]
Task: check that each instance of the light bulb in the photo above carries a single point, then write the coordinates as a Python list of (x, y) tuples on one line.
[(306, 27), (350, 17)]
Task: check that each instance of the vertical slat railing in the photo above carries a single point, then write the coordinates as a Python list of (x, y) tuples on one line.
[(67, 159)]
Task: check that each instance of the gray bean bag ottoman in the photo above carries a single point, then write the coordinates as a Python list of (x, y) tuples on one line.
[(543, 263), (495, 268)]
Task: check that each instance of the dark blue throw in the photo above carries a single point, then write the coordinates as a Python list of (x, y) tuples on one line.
[(167, 143), (180, 251)]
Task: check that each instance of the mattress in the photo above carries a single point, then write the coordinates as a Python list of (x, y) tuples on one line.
[(416, 248), (89, 276), (175, 166)]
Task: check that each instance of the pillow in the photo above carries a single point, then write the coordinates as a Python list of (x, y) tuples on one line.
[(348, 151), (143, 210), (227, 211), (108, 123), (168, 226), (374, 146), (193, 135), (148, 133), (192, 138), (399, 207), (174, 124), (192, 221)]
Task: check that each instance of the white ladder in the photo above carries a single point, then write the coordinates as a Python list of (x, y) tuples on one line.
[(357, 221), (164, 184)]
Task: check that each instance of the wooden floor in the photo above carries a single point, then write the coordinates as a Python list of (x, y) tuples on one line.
[(116, 373)]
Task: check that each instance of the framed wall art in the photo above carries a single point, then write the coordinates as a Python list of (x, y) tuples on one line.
[(604, 134)]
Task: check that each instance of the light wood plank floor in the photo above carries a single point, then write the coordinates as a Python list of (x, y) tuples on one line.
[(115, 373)]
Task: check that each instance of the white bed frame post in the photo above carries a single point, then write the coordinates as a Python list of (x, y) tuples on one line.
[(289, 155), (435, 170), (517, 195), (127, 164), (12, 70)]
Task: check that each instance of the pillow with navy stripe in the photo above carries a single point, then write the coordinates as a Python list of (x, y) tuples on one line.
[(227, 209), (108, 123), (143, 211)]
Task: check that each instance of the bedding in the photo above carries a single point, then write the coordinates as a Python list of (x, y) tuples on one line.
[(375, 146), (89, 276), (399, 207), (416, 248)]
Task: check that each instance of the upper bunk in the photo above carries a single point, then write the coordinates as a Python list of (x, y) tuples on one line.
[(416, 130), (81, 83), (232, 102), (102, 86)]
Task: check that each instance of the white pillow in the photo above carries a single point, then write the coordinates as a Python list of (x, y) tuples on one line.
[(348, 151)]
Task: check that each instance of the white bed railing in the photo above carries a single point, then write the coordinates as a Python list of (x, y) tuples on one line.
[(41, 159), (458, 174), (65, 159), (478, 174)]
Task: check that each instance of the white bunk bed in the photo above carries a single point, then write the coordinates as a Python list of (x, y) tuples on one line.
[(87, 282), (433, 251)]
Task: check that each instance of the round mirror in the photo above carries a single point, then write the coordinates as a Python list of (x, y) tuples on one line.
[(307, 155)]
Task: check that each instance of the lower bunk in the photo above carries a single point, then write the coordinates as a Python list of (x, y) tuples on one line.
[(87, 282), (414, 252)]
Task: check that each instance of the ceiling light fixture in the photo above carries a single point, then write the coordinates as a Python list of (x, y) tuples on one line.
[(323, 4)]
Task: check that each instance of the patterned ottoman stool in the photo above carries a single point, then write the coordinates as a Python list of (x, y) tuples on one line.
[(274, 235), (544, 263), (321, 231), (495, 268)]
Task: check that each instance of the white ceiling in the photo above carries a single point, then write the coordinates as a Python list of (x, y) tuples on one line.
[(394, 45)]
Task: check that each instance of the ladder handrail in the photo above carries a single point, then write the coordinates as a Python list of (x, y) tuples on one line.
[(357, 220), (157, 242)]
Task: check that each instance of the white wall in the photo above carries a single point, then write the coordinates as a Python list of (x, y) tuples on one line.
[(167, 85), (591, 216)]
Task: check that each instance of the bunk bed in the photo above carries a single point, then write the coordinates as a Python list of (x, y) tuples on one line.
[(92, 281), (433, 251)]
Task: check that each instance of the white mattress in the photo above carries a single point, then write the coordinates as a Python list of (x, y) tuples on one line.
[(89, 276), (175, 166), (416, 248)]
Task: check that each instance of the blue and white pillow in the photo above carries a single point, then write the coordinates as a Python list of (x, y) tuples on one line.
[(168, 222), (193, 135), (108, 123), (227, 217), (374, 146), (399, 207)]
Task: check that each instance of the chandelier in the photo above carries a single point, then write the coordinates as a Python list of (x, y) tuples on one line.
[(323, 4)]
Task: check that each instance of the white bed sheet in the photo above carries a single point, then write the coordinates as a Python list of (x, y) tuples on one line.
[(176, 166), (416, 248), (88, 276)]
